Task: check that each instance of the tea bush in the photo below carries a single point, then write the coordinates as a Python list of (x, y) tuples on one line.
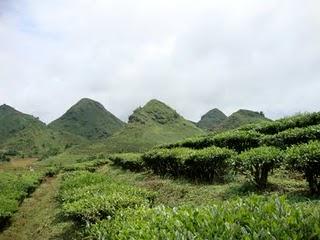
[(306, 159), (235, 140), (298, 121), (249, 218), (87, 197), (258, 162), (209, 164), (130, 161), (293, 136), (14, 187)]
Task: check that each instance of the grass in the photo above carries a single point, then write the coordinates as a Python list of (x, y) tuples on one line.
[(173, 192)]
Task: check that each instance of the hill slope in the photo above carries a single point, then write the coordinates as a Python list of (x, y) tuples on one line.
[(13, 121), (153, 124), (88, 119), (28, 135), (239, 118), (211, 119)]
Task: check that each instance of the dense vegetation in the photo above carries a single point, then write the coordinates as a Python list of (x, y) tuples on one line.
[(195, 196), (239, 118), (211, 119), (88, 119), (151, 125), (14, 187), (251, 218)]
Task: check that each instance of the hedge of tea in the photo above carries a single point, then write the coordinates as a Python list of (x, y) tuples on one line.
[(293, 136), (88, 197), (298, 121), (208, 164), (258, 162), (91, 165), (14, 187), (235, 140), (306, 159), (130, 161), (250, 218)]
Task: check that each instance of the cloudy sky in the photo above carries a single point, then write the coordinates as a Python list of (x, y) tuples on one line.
[(193, 55)]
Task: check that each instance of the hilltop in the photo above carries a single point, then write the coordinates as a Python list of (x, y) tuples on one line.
[(154, 123), (239, 118), (89, 119), (211, 119)]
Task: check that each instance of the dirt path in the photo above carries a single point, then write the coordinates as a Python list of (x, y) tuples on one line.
[(38, 216)]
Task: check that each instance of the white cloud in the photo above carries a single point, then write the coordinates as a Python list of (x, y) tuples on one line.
[(193, 55)]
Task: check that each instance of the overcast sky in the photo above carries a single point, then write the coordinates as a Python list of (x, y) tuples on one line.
[(193, 55)]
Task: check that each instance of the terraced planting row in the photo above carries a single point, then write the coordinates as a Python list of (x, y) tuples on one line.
[(249, 152), (14, 187), (106, 208)]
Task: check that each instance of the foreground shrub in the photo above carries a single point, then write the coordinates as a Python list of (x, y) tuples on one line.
[(209, 164), (306, 159), (14, 187), (258, 162), (252, 218), (87, 197)]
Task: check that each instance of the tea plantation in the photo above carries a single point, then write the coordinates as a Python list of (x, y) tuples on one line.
[(261, 181)]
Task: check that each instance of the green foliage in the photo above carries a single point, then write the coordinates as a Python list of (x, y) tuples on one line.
[(14, 187), (149, 126), (293, 136), (211, 119), (240, 118), (251, 218), (90, 165), (297, 121), (130, 161), (235, 140), (209, 164), (88, 119), (258, 162), (13, 121), (4, 157), (88, 197), (306, 159)]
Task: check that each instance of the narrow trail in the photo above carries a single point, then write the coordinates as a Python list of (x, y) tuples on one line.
[(38, 215)]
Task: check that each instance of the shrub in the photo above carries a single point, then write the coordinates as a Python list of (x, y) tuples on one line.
[(4, 157), (293, 136), (298, 121), (251, 218), (258, 162), (306, 159), (87, 197), (166, 161), (209, 164), (237, 140), (130, 161), (14, 187)]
